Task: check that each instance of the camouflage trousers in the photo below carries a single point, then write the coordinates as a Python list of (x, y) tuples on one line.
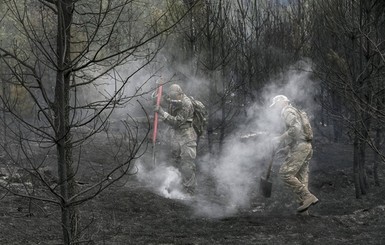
[(295, 170), (183, 156)]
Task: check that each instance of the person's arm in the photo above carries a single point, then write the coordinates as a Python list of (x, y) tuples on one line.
[(182, 115), (293, 126)]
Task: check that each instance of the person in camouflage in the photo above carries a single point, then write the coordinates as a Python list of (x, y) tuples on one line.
[(295, 169), (183, 136)]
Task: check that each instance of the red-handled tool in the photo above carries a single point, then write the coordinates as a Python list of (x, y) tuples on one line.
[(159, 91)]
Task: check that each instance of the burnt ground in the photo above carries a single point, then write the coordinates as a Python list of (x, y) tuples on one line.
[(130, 213)]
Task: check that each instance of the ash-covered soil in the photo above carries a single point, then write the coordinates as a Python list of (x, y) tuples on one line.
[(132, 212)]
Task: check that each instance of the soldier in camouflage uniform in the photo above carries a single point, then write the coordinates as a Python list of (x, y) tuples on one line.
[(295, 169), (183, 136)]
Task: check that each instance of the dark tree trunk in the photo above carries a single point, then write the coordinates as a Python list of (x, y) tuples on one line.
[(377, 144), (63, 136), (359, 158), (212, 85), (356, 173), (362, 172), (337, 110), (223, 98), (223, 124)]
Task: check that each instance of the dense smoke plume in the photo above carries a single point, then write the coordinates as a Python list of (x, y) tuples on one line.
[(236, 172), (163, 179)]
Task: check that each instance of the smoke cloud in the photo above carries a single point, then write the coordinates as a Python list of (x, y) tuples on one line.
[(162, 179), (235, 174), (237, 171)]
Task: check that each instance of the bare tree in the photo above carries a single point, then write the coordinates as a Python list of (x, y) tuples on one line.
[(65, 50), (346, 39), (205, 43)]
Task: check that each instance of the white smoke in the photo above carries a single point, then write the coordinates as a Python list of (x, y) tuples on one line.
[(164, 180), (237, 171), (297, 84)]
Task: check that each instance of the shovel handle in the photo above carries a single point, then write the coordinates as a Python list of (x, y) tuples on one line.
[(158, 98), (155, 129), (269, 169), (270, 164)]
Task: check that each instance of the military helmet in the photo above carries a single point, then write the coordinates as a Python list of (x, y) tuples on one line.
[(174, 91), (279, 98)]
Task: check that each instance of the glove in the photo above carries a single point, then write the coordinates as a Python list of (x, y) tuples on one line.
[(160, 110)]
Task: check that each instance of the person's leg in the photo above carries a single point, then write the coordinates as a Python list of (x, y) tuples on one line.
[(187, 167), (303, 173), (291, 167), (307, 199)]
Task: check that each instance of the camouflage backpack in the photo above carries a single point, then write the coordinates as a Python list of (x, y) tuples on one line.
[(306, 126), (200, 116)]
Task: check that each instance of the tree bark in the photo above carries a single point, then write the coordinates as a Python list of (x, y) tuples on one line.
[(377, 143), (356, 173), (362, 172), (337, 110), (212, 89), (63, 136)]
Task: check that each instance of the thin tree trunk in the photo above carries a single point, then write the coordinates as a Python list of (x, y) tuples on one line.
[(223, 99), (337, 126), (223, 124), (377, 143), (4, 119), (361, 166), (63, 137), (212, 87), (356, 173), (61, 149)]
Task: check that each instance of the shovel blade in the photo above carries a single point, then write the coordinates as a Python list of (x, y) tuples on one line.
[(265, 187)]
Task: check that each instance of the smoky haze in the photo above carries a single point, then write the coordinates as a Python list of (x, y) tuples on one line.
[(236, 172)]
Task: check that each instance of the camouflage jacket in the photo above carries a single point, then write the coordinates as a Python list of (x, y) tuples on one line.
[(180, 113), (180, 119), (294, 131)]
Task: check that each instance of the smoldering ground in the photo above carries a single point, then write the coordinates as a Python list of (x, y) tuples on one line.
[(236, 171), (163, 179)]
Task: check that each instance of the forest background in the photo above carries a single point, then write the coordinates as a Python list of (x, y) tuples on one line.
[(72, 71)]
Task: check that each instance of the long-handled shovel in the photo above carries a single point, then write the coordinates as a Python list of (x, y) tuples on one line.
[(266, 185), (155, 129)]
